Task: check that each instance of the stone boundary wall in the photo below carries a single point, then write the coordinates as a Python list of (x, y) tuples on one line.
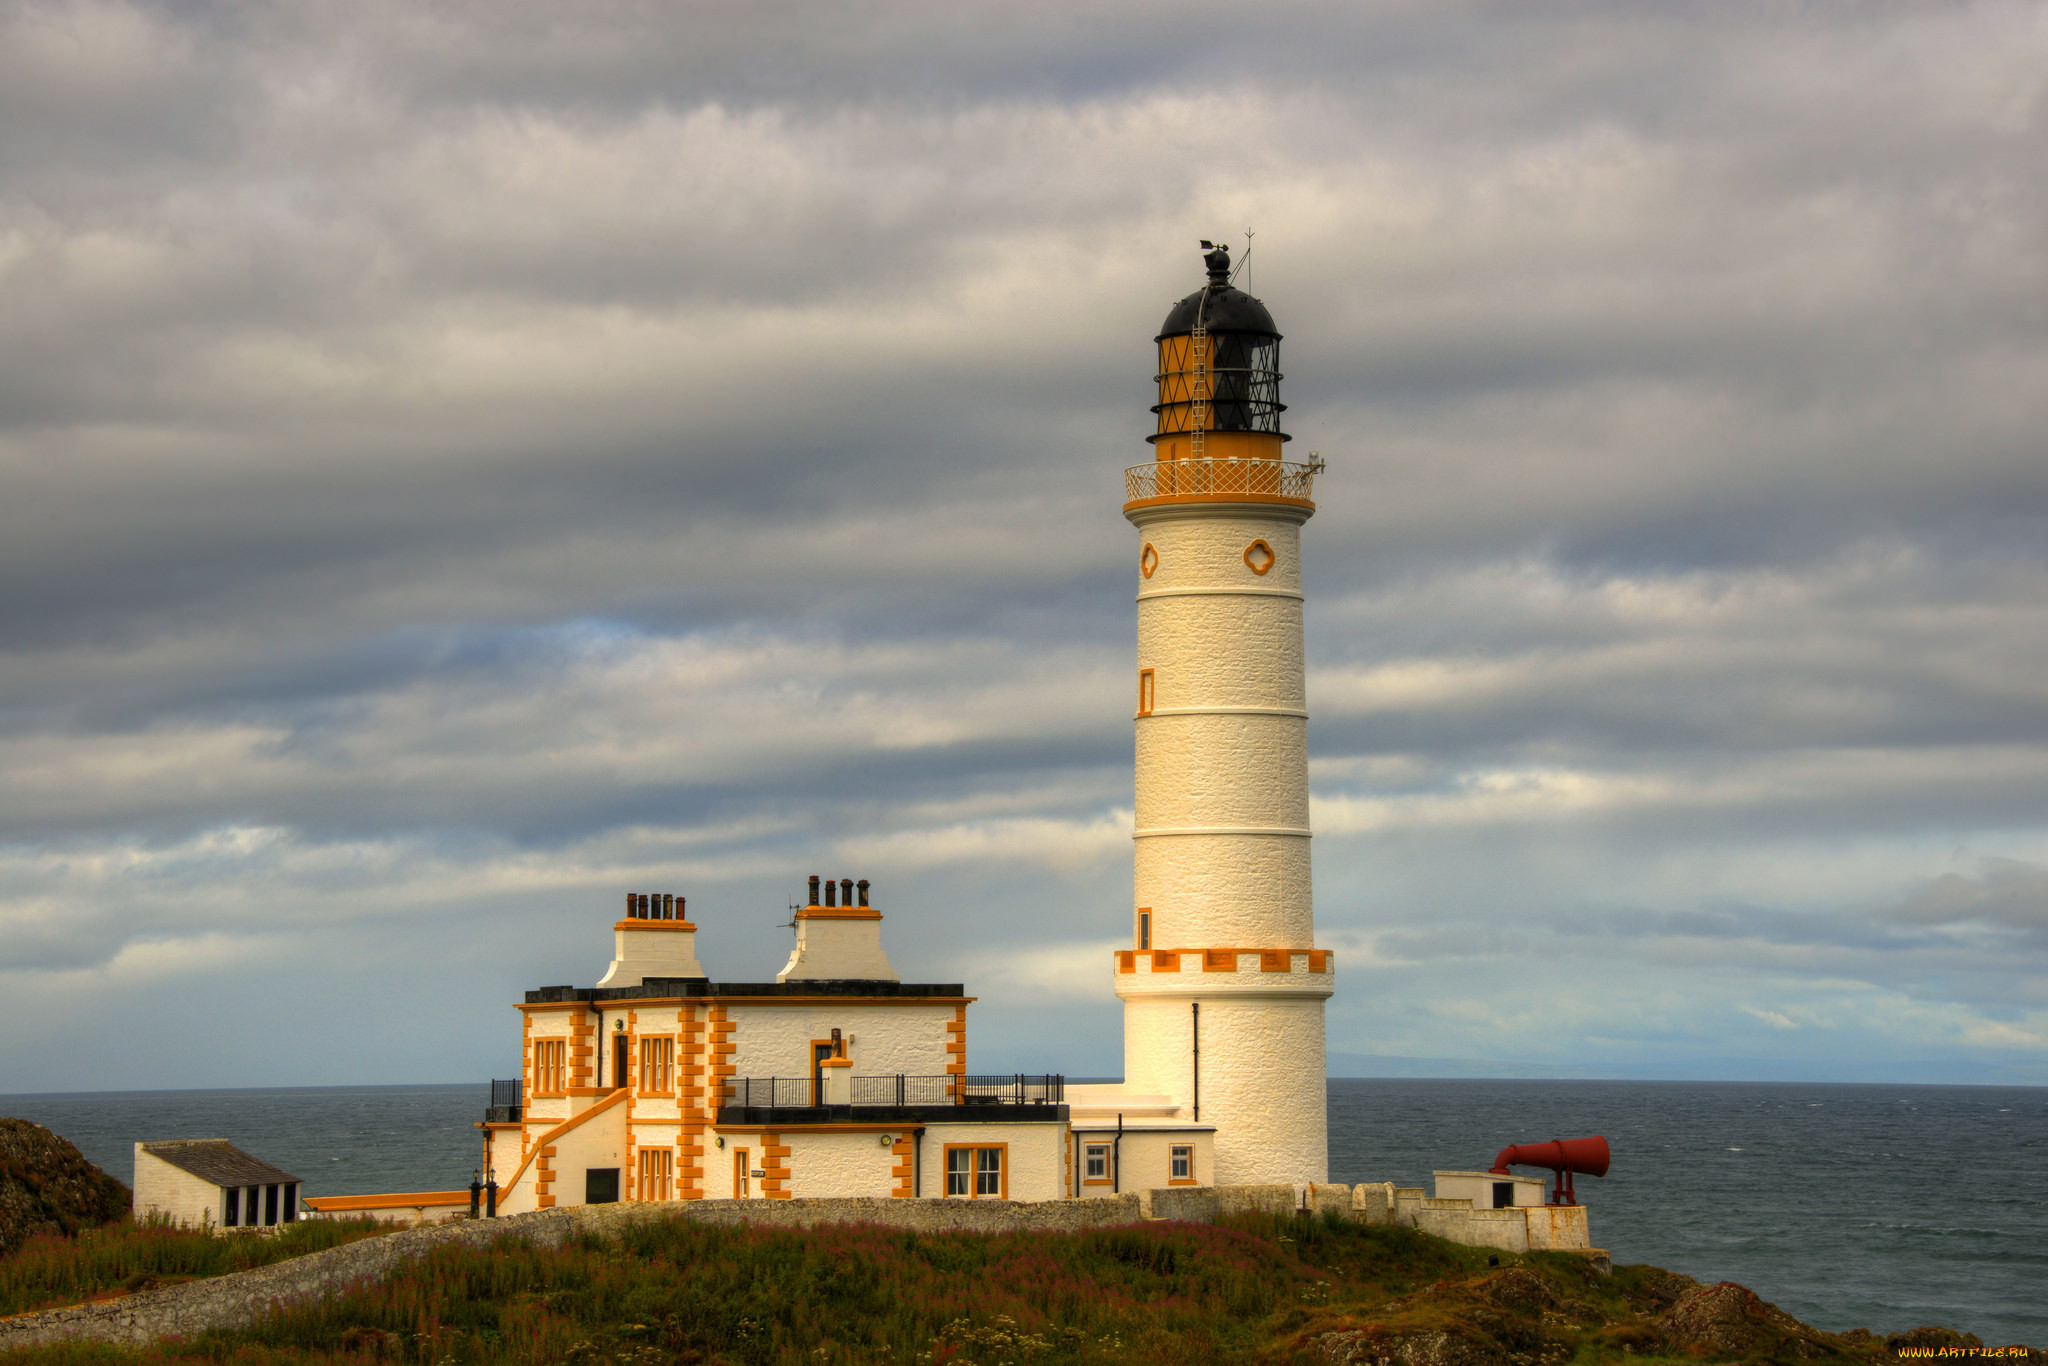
[(245, 1296)]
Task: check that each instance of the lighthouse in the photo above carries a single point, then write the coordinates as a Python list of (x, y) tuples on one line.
[(1223, 988)]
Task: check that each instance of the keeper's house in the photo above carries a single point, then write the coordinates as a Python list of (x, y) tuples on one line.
[(835, 1079), (210, 1183)]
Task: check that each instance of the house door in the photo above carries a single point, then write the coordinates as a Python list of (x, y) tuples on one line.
[(742, 1184), (618, 1062), (819, 1052)]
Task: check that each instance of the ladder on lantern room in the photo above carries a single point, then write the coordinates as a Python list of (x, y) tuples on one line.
[(1198, 365)]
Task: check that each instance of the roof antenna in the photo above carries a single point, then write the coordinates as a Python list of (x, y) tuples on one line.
[(1243, 260)]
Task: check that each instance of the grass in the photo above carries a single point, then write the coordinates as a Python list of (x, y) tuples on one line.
[(1252, 1289), (52, 1269)]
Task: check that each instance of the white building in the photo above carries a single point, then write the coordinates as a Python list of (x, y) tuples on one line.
[(210, 1183), (838, 1079)]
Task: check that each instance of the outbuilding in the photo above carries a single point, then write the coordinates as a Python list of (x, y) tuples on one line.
[(210, 1183)]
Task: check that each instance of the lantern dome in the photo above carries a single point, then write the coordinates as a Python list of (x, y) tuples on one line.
[(1219, 306)]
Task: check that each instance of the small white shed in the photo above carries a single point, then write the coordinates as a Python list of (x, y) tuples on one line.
[(210, 1183)]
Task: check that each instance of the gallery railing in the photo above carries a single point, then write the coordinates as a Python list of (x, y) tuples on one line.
[(1213, 477)]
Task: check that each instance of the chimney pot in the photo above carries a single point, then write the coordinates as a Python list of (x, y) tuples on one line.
[(830, 888), (814, 889), (846, 891), (681, 906), (863, 885), (632, 900)]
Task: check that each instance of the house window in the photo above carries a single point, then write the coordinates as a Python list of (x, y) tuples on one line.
[(1144, 692), (976, 1172), (657, 1066), (1145, 930), (1181, 1163), (550, 1066), (233, 1218), (657, 1171), (1095, 1162)]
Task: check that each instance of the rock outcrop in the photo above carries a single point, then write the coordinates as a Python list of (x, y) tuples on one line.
[(1515, 1317), (47, 1186)]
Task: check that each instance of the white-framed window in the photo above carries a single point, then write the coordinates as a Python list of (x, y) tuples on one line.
[(550, 1066), (975, 1172), (657, 1173), (1181, 1162), (657, 1066), (1095, 1162)]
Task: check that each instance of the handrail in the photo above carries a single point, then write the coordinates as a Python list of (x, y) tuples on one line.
[(551, 1135), (1212, 477)]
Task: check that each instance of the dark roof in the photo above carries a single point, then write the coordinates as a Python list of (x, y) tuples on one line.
[(1229, 310), (661, 988), (218, 1161)]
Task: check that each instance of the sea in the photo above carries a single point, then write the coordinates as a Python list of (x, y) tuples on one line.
[(1872, 1206)]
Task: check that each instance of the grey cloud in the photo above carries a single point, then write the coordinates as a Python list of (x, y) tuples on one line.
[(2008, 897), (521, 447)]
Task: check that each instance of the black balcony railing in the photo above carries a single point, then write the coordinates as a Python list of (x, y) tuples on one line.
[(1020, 1089), (505, 1102), (772, 1092), (899, 1091)]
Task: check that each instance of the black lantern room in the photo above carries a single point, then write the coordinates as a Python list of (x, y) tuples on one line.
[(1219, 374)]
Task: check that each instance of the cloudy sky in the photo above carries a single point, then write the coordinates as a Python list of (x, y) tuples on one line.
[(459, 463)]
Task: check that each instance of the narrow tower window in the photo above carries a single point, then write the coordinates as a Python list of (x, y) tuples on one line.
[(1145, 929), (1144, 692)]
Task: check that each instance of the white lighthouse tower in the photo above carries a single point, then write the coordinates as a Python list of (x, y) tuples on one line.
[(1223, 987)]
